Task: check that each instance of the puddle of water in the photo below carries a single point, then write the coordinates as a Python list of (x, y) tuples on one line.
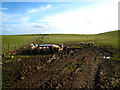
[(54, 58), (106, 57)]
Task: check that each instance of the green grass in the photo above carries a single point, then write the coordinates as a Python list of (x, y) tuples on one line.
[(115, 57), (73, 66), (16, 41), (7, 84), (107, 39)]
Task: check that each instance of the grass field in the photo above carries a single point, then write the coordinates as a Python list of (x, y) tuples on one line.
[(108, 38), (15, 41)]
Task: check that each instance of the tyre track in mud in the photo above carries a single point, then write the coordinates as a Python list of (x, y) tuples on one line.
[(86, 78), (54, 74)]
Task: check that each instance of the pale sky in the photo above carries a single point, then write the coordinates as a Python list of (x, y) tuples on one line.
[(59, 17)]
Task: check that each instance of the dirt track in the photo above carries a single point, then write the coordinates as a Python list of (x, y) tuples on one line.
[(71, 68)]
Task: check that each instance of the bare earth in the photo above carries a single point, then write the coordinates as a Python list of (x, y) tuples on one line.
[(71, 68)]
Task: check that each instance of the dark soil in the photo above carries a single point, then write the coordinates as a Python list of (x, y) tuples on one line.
[(70, 68)]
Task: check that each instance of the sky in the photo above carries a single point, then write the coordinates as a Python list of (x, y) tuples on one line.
[(59, 17)]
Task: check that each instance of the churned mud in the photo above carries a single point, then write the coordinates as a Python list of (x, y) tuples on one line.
[(70, 68)]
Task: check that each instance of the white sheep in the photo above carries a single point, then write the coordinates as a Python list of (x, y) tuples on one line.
[(45, 49), (62, 46), (92, 43), (81, 43), (33, 47), (36, 45), (39, 49), (56, 47)]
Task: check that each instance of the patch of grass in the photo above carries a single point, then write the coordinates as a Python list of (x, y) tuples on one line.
[(19, 59), (7, 68), (83, 67), (73, 66), (115, 57), (16, 41), (54, 64), (76, 46), (7, 84), (7, 58), (22, 56)]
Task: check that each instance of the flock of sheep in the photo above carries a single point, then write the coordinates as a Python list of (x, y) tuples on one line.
[(46, 48), (89, 44)]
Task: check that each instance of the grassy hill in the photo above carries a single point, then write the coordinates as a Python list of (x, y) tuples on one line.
[(108, 38), (16, 41)]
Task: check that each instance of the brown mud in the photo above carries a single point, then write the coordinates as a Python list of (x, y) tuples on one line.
[(70, 68)]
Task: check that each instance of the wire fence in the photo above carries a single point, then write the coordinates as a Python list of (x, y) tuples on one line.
[(14, 45)]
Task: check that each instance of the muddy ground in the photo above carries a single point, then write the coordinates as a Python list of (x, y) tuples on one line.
[(71, 68)]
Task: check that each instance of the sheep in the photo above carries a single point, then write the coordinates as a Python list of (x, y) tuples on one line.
[(33, 47), (36, 45), (39, 49), (3, 55), (61, 48), (51, 48), (45, 49), (71, 53), (81, 43), (90, 44), (65, 47), (56, 47)]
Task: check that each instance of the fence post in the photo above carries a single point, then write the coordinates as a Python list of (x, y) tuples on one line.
[(8, 46), (19, 44), (15, 45)]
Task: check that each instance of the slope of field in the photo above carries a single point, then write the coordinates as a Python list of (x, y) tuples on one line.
[(108, 38), (16, 41)]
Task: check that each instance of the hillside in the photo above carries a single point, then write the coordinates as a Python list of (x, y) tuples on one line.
[(17, 41)]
